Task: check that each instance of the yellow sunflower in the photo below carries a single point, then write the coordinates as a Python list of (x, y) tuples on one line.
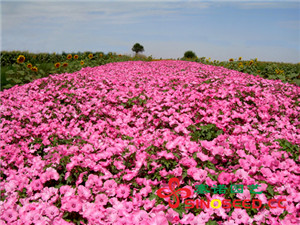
[(29, 65), (251, 62), (69, 56), (240, 58), (21, 59), (57, 65), (81, 63), (101, 55), (231, 60), (34, 69), (65, 64), (75, 56), (91, 56)]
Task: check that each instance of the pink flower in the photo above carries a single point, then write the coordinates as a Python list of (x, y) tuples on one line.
[(80, 178), (51, 211), (101, 199), (96, 216), (210, 182), (240, 216), (177, 172), (83, 192), (123, 191), (67, 190), (188, 162), (172, 216), (140, 217), (159, 219), (71, 204), (51, 174), (241, 174), (187, 218), (110, 187), (200, 175), (163, 172), (146, 190), (32, 217), (47, 193), (36, 185), (165, 154), (224, 178), (87, 148), (201, 218), (149, 204), (130, 175), (10, 215), (202, 156)]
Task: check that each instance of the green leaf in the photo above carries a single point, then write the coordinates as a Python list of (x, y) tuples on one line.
[(270, 190), (7, 86), (297, 81), (16, 80), (10, 72), (211, 222), (22, 73)]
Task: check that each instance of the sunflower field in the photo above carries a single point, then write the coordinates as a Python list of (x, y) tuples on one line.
[(19, 68)]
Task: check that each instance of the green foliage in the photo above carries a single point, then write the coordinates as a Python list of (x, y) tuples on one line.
[(286, 72), (290, 148), (74, 217), (13, 73), (134, 101), (204, 132), (137, 47), (211, 222), (190, 55)]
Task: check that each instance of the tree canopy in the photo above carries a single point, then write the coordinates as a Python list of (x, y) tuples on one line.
[(137, 47)]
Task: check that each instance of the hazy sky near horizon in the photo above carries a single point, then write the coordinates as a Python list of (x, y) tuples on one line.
[(267, 30)]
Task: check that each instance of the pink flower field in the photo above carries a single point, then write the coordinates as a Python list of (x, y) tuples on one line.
[(95, 146)]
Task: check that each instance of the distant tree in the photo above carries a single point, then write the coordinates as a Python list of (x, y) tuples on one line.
[(190, 54), (137, 48)]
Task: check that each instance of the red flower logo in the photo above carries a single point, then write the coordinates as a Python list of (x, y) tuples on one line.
[(173, 181)]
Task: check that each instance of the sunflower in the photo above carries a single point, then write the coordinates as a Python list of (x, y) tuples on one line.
[(231, 60), (75, 56), (21, 59), (240, 58), (101, 55), (91, 56), (29, 65), (69, 56), (81, 63), (251, 62), (57, 65), (34, 69), (65, 64)]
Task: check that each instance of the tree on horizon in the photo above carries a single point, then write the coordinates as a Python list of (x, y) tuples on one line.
[(137, 47)]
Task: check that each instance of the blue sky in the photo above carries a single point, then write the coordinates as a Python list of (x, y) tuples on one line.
[(268, 30)]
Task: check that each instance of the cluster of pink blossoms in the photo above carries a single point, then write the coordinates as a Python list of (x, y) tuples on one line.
[(94, 146)]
